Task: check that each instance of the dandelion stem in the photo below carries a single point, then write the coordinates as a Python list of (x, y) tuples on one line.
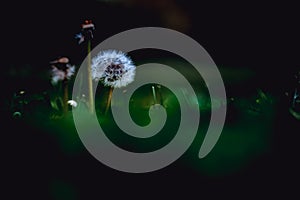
[(90, 88), (108, 99), (154, 94), (65, 97), (160, 95)]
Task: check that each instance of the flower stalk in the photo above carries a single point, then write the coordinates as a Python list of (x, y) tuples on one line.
[(109, 99), (62, 71), (86, 34), (65, 96), (89, 76)]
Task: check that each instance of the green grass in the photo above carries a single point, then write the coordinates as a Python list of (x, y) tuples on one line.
[(244, 138)]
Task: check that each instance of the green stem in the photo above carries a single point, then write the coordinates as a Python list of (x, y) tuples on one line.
[(154, 95), (89, 78), (65, 97), (109, 99)]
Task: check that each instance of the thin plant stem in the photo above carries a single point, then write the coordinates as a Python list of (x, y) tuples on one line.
[(89, 78), (160, 95), (108, 99), (154, 95), (65, 96)]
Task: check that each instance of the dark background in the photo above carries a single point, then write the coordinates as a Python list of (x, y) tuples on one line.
[(248, 34), (262, 37), (256, 35)]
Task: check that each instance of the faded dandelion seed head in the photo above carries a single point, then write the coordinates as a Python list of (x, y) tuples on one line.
[(60, 74), (72, 103), (114, 68)]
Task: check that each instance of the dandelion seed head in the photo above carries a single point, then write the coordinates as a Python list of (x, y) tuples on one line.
[(58, 74), (72, 103), (113, 68), (70, 71)]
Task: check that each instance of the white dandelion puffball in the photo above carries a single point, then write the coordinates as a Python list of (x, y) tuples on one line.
[(58, 74), (114, 68), (72, 103)]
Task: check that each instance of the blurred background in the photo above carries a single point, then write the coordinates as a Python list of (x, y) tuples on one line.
[(254, 44), (253, 35)]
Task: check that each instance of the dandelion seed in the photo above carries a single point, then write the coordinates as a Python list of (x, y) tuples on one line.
[(79, 37)]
